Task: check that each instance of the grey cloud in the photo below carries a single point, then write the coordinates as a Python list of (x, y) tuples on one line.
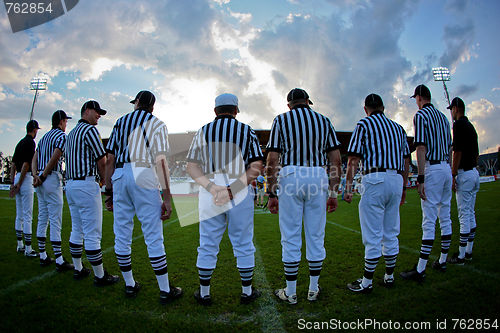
[(465, 90), (458, 39), (458, 6)]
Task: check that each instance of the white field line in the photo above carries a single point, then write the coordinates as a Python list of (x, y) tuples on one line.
[(268, 313), (22, 283), (415, 251)]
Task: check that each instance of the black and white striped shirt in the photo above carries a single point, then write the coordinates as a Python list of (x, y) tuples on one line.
[(432, 129), (138, 137), (55, 138), (225, 144), (379, 142), (303, 137), (83, 148)]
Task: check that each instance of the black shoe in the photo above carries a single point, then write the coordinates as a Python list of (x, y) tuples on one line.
[(438, 266), (247, 299), (388, 283), (412, 274), (78, 275), (205, 300), (106, 280), (65, 266), (31, 254), (468, 256), (173, 294), (46, 262), (21, 249), (132, 291), (357, 287), (455, 260)]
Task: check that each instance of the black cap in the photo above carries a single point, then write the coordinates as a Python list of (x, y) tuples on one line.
[(145, 98), (58, 116), (423, 91), (296, 94), (457, 101), (94, 106), (373, 101), (31, 125)]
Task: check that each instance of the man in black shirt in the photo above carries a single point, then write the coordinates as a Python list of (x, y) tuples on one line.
[(465, 178), (22, 188)]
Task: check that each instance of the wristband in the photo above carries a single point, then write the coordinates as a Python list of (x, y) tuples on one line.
[(272, 195), (209, 186), (42, 177), (108, 191), (332, 194), (230, 193), (420, 179)]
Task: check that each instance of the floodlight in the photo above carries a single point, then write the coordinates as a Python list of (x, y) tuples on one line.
[(36, 85), (442, 74)]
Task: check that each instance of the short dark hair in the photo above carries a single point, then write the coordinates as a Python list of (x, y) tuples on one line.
[(226, 109)]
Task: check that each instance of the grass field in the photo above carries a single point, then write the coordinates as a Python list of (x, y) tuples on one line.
[(36, 299)]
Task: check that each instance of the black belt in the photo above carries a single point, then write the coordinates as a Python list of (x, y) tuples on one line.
[(137, 164), (434, 162), (381, 170)]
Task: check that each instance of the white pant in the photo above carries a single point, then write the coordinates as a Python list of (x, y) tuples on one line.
[(239, 222), (467, 183), (379, 213), (302, 197), (438, 182), (141, 198), (85, 206), (24, 204), (50, 205)]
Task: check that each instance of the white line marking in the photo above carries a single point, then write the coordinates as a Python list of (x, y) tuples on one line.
[(415, 251), (41, 277)]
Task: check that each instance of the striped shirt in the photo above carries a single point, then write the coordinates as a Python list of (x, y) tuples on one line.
[(138, 137), (55, 138), (225, 145), (379, 142), (83, 148), (303, 137), (432, 129)]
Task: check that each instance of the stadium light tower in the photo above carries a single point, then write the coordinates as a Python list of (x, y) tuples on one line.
[(442, 74), (37, 84)]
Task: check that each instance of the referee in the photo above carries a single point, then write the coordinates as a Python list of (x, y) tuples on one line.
[(433, 143), (47, 178), (84, 149), (138, 143), (22, 188), (305, 140), (224, 158), (465, 178), (382, 146)]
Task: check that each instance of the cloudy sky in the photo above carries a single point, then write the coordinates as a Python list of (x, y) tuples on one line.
[(189, 51)]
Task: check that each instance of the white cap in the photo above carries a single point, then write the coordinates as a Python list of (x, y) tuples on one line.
[(226, 99)]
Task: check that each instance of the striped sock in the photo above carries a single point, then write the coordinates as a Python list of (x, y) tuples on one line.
[(470, 241), (425, 251), (41, 247), (95, 259), (57, 247), (205, 276), (314, 272), (370, 265), (124, 262), (445, 247), (246, 275), (19, 235), (291, 272), (463, 245), (159, 265), (27, 239), (76, 254), (390, 264)]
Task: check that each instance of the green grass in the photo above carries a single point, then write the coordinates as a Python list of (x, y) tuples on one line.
[(38, 299)]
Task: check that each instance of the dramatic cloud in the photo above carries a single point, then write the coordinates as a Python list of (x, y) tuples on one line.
[(484, 115), (465, 90)]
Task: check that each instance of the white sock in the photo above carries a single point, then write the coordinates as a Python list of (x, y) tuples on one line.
[(204, 290), (421, 265), (43, 255), (442, 257), (77, 262), (163, 282), (128, 277), (386, 276), (59, 260), (461, 252), (246, 290), (28, 248), (366, 282), (313, 282), (20, 243), (291, 288), (98, 271), (469, 247)]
